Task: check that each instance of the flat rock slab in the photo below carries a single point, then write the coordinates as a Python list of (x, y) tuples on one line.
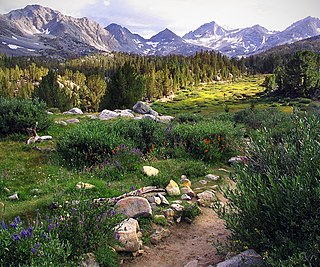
[(134, 207), (248, 258)]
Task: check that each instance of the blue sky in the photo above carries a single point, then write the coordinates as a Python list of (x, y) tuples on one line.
[(147, 17)]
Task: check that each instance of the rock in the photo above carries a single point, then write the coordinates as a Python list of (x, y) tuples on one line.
[(238, 159), (93, 117), (153, 113), (160, 233), (89, 260), (157, 200), (163, 199), (62, 123), (14, 197), (76, 111), (183, 177), (212, 177), (165, 119), (186, 182), (124, 113), (244, 259), (187, 190), (150, 171), (134, 207), (168, 213), (173, 189), (141, 108), (150, 117), (127, 234), (177, 207), (203, 182), (6, 189), (177, 202), (82, 185), (107, 114), (193, 263), (45, 137), (72, 121), (186, 197), (206, 198), (138, 253)]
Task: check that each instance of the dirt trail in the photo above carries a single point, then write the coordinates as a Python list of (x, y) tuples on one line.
[(187, 242)]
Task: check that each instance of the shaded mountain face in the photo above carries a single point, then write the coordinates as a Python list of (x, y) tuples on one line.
[(36, 30)]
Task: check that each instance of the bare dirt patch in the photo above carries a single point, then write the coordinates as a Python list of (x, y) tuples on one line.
[(187, 242)]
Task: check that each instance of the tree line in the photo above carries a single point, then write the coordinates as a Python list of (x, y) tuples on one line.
[(114, 80)]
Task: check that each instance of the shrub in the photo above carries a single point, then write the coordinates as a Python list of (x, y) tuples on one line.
[(88, 144), (17, 115), (123, 160), (209, 141), (274, 207)]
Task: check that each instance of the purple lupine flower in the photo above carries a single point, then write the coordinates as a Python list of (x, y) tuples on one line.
[(73, 210), (132, 188), (30, 231), (24, 233), (33, 250), (17, 220), (4, 225), (117, 235), (50, 227), (13, 225), (37, 245), (44, 235), (16, 237)]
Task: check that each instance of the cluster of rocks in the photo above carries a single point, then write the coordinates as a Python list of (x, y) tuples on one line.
[(139, 111), (145, 201)]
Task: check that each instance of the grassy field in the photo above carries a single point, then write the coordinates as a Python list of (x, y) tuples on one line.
[(216, 98), (38, 178)]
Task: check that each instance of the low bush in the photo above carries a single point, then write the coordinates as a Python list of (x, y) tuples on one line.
[(209, 141), (17, 115), (88, 144), (274, 207), (257, 119)]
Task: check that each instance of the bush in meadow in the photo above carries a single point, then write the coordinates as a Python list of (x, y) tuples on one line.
[(275, 205), (208, 140), (16, 115)]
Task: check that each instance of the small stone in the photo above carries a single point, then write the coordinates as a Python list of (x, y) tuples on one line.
[(160, 233), (62, 123), (206, 198), (177, 201), (14, 197), (186, 182), (203, 182), (177, 207), (212, 177), (6, 189), (153, 112), (165, 119), (107, 115), (173, 189), (185, 197), (183, 177), (247, 258), (76, 111), (82, 185), (238, 159), (150, 171), (187, 190), (168, 213), (157, 200), (178, 220), (72, 121), (193, 263), (163, 199)]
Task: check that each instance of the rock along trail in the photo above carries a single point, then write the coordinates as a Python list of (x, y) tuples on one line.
[(186, 243)]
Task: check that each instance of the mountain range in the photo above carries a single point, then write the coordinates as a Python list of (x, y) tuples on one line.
[(36, 30)]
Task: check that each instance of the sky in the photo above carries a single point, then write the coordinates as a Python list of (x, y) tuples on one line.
[(148, 17)]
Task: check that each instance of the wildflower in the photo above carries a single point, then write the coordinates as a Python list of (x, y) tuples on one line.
[(132, 188), (30, 231), (4, 225), (206, 151), (206, 141), (13, 225), (16, 237), (37, 245), (33, 250), (44, 235), (50, 227), (24, 233)]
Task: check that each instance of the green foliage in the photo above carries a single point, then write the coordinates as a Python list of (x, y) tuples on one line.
[(123, 160), (276, 198), (190, 211), (270, 82), (33, 245), (125, 88), (88, 144), (17, 115), (300, 75), (107, 257), (210, 141), (258, 119)]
